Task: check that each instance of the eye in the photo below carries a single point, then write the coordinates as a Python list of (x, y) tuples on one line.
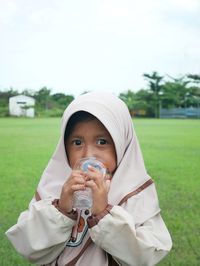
[(76, 142), (102, 141)]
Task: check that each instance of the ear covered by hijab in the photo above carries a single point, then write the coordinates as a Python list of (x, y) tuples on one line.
[(130, 173)]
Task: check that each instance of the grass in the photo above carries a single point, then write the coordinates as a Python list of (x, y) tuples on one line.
[(171, 150)]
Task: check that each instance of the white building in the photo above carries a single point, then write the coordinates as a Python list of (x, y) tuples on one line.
[(22, 105)]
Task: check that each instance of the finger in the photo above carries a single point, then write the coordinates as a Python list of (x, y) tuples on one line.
[(79, 180), (107, 185), (94, 174), (73, 175), (91, 184), (74, 184), (78, 187), (77, 173)]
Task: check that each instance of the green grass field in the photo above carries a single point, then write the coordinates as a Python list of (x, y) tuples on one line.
[(171, 150)]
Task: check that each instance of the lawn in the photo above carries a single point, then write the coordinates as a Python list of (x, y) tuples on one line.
[(171, 150)]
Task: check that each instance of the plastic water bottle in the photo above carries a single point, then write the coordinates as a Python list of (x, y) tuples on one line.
[(83, 198)]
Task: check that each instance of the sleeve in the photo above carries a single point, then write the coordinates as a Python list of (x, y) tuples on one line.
[(41, 232), (117, 234)]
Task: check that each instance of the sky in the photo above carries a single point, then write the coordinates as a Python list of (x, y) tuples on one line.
[(105, 45)]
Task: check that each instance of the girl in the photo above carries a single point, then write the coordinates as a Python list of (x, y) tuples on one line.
[(124, 225)]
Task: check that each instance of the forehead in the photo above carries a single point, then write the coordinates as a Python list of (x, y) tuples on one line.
[(90, 126)]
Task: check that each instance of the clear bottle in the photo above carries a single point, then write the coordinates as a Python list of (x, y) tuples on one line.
[(83, 198)]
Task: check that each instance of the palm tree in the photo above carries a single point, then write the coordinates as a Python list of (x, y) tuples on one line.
[(155, 87)]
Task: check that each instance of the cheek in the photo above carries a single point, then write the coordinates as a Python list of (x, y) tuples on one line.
[(113, 167), (71, 156), (112, 163), (71, 162)]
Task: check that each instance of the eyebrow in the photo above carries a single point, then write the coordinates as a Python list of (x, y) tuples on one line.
[(102, 135), (74, 136), (99, 135)]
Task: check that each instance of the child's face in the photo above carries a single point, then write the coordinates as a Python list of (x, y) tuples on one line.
[(91, 138)]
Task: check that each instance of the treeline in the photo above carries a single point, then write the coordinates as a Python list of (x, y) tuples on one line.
[(160, 92), (163, 92)]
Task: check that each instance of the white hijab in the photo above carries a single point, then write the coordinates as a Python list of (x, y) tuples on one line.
[(130, 173)]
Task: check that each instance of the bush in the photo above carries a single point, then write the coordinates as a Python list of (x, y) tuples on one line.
[(4, 111), (49, 112)]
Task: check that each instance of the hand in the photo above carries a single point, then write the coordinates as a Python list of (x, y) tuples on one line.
[(100, 186), (76, 181)]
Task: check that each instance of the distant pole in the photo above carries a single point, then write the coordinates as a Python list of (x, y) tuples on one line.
[(160, 107), (160, 103)]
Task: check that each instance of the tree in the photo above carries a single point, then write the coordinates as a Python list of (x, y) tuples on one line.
[(62, 100), (179, 91), (42, 97), (144, 102), (28, 92), (194, 78), (194, 90), (155, 87), (129, 98), (138, 103)]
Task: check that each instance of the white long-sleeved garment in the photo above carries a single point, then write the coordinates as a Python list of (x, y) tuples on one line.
[(42, 232)]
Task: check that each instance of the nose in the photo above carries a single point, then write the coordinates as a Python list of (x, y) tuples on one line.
[(89, 151)]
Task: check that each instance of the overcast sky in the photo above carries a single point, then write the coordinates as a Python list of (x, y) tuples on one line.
[(75, 45)]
